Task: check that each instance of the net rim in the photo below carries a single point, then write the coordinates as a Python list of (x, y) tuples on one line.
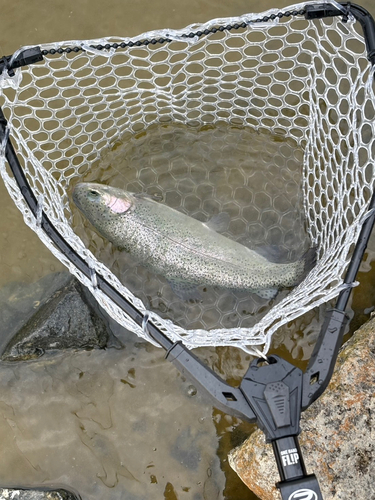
[(177, 34)]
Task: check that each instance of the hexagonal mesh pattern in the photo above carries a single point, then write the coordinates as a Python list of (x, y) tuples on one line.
[(298, 91)]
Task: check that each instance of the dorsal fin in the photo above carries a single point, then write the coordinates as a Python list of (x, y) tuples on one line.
[(146, 196)]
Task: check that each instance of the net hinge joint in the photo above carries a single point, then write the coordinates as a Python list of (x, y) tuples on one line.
[(23, 58), (320, 11), (274, 392)]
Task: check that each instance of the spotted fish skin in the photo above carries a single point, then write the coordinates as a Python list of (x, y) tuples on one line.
[(184, 250)]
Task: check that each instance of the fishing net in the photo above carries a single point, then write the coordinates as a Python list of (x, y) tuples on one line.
[(293, 97)]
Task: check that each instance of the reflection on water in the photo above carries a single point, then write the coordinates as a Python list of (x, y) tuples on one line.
[(202, 172)]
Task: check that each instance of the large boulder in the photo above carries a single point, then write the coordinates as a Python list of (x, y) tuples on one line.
[(337, 437)]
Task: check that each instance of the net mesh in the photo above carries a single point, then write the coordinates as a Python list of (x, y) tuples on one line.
[(304, 86)]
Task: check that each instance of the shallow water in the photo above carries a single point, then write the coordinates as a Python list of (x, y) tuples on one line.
[(89, 431), (105, 417)]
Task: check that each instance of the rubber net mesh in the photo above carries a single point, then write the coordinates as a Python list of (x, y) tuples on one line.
[(293, 96)]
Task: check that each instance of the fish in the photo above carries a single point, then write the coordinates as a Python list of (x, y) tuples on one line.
[(186, 252)]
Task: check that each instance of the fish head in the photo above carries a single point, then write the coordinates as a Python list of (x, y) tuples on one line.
[(100, 203)]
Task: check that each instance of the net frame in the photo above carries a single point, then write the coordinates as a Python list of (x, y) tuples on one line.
[(355, 168)]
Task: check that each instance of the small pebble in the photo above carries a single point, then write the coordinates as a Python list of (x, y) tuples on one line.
[(191, 391)]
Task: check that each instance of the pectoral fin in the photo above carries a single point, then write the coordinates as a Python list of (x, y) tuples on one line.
[(267, 293), (185, 291), (146, 196)]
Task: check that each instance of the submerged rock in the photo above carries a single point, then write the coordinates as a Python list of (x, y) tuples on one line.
[(65, 320), (337, 438), (18, 494), (19, 301)]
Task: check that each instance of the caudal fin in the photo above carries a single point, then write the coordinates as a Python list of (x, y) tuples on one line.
[(309, 259), (304, 265)]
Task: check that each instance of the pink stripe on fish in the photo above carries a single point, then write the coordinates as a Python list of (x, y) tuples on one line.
[(118, 205)]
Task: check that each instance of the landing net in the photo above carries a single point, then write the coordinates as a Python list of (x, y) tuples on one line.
[(306, 84)]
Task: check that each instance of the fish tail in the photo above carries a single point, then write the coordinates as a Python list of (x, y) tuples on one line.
[(306, 263), (309, 259)]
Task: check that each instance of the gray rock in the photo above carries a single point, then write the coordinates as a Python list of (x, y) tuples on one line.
[(19, 301), (65, 320), (19, 494), (118, 336), (337, 437)]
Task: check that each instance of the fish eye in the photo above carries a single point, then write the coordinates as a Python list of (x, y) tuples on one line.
[(92, 192)]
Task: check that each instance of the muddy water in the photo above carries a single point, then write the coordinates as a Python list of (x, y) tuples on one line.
[(122, 423)]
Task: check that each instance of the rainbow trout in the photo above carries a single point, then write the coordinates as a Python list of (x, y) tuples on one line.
[(187, 252)]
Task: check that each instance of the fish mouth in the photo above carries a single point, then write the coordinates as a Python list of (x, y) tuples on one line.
[(75, 195)]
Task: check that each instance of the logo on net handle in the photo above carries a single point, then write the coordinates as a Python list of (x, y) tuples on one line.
[(304, 494)]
